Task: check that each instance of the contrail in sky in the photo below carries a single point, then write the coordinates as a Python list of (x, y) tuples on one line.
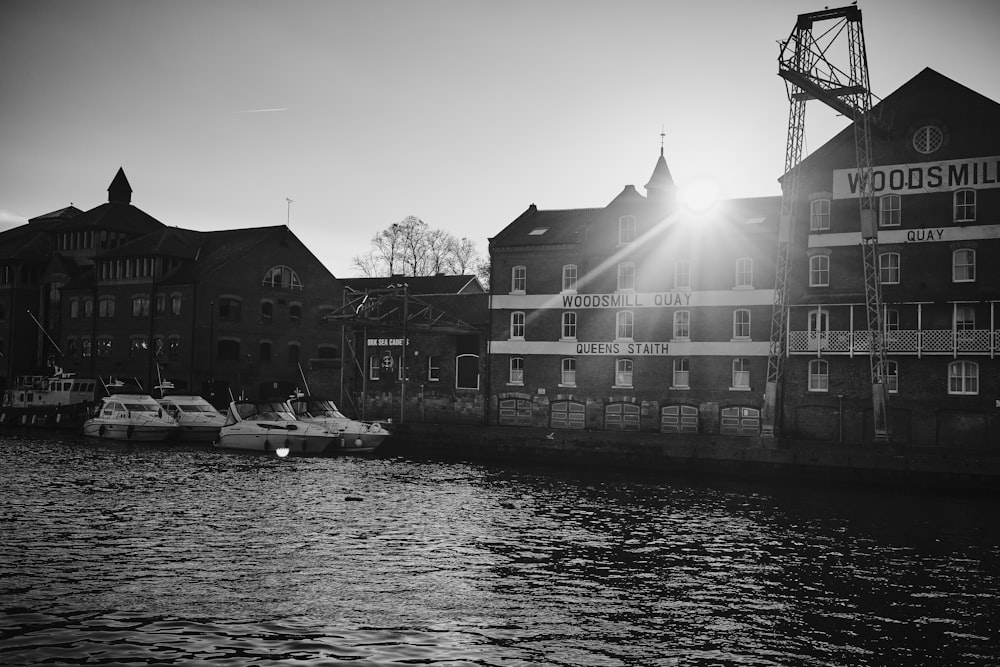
[(261, 110)]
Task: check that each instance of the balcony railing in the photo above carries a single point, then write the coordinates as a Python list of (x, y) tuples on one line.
[(897, 341)]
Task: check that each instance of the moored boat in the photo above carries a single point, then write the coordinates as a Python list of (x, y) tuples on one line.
[(196, 418), (57, 400), (135, 417), (354, 436), (271, 426)]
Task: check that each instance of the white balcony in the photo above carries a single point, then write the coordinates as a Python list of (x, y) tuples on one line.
[(897, 341)]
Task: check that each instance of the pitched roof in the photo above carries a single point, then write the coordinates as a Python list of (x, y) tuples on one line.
[(438, 284), (56, 216), (169, 241), (535, 227)]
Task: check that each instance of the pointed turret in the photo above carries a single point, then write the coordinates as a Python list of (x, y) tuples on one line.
[(120, 191), (661, 186)]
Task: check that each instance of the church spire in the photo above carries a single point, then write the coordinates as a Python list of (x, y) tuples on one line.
[(661, 186), (120, 191)]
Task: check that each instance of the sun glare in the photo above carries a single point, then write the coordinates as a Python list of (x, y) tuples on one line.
[(700, 196)]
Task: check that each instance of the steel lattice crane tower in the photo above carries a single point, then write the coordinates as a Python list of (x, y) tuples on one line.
[(805, 64)]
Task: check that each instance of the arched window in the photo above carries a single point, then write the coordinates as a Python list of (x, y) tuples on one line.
[(963, 266), (282, 277), (889, 211), (467, 371), (266, 312), (741, 373), (516, 371), (965, 205), (567, 376), (623, 373), (741, 324), (888, 268), (569, 325)]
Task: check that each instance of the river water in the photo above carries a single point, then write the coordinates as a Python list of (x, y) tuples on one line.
[(176, 555)]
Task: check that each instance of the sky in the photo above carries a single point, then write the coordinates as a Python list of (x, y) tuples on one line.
[(460, 112)]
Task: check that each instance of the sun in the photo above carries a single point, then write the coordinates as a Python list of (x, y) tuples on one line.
[(701, 195)]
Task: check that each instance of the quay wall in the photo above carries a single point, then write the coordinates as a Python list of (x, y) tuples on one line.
[(972, 469)]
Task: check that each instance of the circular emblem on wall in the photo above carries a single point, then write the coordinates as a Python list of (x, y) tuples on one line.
[(388, 363), (928, 139)]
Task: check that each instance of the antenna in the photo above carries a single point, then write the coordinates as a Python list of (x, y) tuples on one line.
[(663, 133), (288, 218)]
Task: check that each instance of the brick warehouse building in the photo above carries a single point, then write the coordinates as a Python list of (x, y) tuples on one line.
[(642, 315), (122, 295), (936, 151)]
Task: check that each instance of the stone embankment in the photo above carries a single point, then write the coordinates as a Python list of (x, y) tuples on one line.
[(975, 470)]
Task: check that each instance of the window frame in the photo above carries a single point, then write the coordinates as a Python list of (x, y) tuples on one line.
[(819, 276), (570, 276), (567, 372), (515, 375), (681, 325), (519, 279), (890, 210), (886, 270), (626, 277), (517, 323), (741, 324), (627, 230), (682, 274), (968, 382), (681, 371), (740, 374), (624, 373), (819, 220), (969, 267), (743, 276), (568, 327), (818, 376), (625, 325), (964, 210)]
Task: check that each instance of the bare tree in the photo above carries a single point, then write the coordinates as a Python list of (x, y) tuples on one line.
[(412, 248)]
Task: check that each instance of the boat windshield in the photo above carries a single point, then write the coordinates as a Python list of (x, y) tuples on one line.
[(196, 407), (317, 408), (144, 406), (275, 411)]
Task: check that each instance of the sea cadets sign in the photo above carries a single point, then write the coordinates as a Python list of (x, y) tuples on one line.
[(925, 177)]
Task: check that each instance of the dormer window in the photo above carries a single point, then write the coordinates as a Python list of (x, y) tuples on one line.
[(626, 229), (282, 277)]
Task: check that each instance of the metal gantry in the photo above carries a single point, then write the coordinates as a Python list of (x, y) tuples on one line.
[(809, 73)]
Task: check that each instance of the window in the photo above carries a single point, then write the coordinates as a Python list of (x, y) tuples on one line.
[(819, 215), (819, 375), (229, 309), (888, 268), (819, 271), (744, 272), (741, 324), (85, 348), (626, 229), (568, 376), (682, 373), (569, 278), (682, 325), (626, 276), (963, 266), (173, 348), (266, 312), (517, 325), (282, 277), (88, 307), (161, 304), (293, 353), (175, 304), (433, 369), (682, 274), (963, 377), (965, 205), (106, 306), (889, 211), (569, 325), (518, 279), (516, 371), (137, 347), (265, 352), (891, 377), (623, 373), (104, 348), (373, 367), (467, 371), (741, 374), (140, 306), (228, 349), (74, 308), (71, 350), (326, 351), (965, 318), (624, 325), (294, 313)]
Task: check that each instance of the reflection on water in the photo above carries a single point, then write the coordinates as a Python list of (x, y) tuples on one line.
[(150, 554)]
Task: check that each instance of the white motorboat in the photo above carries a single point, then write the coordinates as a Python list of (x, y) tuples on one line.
[(135, 417), (271, 426), (355, 437), (196, 418)]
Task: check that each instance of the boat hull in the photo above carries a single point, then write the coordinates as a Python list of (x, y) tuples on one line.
[(63, 416), (357, 443), (131, 432), (257, 441)]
